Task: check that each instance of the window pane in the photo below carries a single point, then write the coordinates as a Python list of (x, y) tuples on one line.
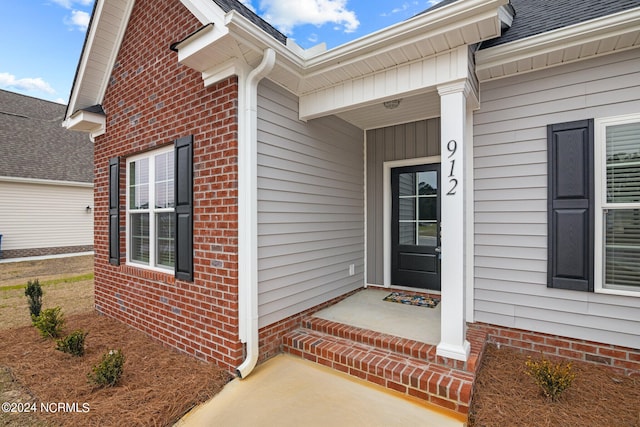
[(407, 208), (622, 249), (165, 232), (407, 184), (427, 183), (139, 232), (623, 163), (428, 234), (164, 180), (407, 233), (139, 184), (428, 207)]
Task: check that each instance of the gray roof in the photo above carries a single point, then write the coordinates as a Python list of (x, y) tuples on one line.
[(228, 5), (539, 16), (33, 143)]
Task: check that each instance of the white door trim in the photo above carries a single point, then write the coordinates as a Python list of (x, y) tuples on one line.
[(386, 206)]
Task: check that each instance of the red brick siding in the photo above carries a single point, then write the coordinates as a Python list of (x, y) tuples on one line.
[(151, 100), (626, 360)]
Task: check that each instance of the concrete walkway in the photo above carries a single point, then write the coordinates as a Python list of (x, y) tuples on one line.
[(288, 391)]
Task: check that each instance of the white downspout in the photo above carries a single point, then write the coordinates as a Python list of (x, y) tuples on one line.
[(248, 210)]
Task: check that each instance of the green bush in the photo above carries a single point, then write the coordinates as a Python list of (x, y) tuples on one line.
[(33, 292), (73, 343), (552, 378), (107, 373), (49, 322)]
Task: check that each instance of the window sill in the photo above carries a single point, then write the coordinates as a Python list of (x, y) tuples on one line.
[(150, 273)]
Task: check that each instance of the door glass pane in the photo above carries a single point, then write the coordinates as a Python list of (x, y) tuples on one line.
[(623, 163), (139, 244), (407, 184), (165, 232), (428, 233), (427, 183), (407, 208), (622, 249), (407, 233), (428, 208)]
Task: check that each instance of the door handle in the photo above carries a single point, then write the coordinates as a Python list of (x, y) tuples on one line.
[(437, 249)]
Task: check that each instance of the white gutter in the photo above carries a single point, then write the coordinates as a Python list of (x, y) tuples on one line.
[(248, 209)]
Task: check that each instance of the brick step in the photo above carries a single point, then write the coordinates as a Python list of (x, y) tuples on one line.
[(399, 345), (405, 373)]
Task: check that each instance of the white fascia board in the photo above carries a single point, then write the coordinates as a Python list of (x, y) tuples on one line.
[(20, 180), (421, 26), (449, 18), (206, 11), (94, 94), (557, 40)]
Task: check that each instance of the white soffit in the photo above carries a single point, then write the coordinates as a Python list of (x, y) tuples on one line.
[(596, 37), (99, 54)]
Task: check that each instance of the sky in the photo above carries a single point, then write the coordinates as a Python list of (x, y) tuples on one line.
[(43, 39)]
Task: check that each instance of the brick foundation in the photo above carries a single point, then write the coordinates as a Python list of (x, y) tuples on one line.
[(150, 101), (623, 359), (31, 252)]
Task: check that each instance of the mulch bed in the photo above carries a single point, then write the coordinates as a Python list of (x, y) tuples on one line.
[(506, 396), (158, 385)]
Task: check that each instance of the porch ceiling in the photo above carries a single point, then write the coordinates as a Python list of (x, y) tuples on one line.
[(412, 108)]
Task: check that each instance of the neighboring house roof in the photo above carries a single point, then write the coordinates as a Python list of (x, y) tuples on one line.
[(33, 143)]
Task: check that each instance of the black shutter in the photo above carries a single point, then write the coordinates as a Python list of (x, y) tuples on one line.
[(184, 207), (114, 211), (570, 231)]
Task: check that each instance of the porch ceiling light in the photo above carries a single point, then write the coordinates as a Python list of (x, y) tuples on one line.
[(392, 105)]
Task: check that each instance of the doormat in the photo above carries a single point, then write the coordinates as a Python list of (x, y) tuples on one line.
[(418, 300)]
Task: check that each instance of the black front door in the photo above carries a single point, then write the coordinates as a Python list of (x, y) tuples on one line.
[(415, 235)]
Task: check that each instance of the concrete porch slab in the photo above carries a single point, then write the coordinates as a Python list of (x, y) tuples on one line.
[(288, 391), (366, 309)]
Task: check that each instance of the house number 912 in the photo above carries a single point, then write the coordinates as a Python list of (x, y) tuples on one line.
[(452, 147)]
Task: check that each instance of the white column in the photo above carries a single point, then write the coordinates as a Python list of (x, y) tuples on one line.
[(454, 239)]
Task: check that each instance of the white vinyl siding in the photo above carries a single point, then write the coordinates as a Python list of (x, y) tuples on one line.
[(310, 207), (510, 169), (45, 216)]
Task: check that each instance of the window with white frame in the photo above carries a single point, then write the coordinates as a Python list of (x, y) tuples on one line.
[(151, 209), (617, 223)]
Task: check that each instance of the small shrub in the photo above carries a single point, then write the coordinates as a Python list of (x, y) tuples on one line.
[(109, 370), (50, 322), (552, 378), (73, 343), (33, 291)]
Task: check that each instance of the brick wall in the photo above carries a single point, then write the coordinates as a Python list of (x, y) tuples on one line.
[(151, 100), (626, 360)]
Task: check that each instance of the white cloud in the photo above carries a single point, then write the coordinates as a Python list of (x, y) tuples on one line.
[(27, 84), (287, 14), (79, 20)]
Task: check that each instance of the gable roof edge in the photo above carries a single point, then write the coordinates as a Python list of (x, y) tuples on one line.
[(588, 39)]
